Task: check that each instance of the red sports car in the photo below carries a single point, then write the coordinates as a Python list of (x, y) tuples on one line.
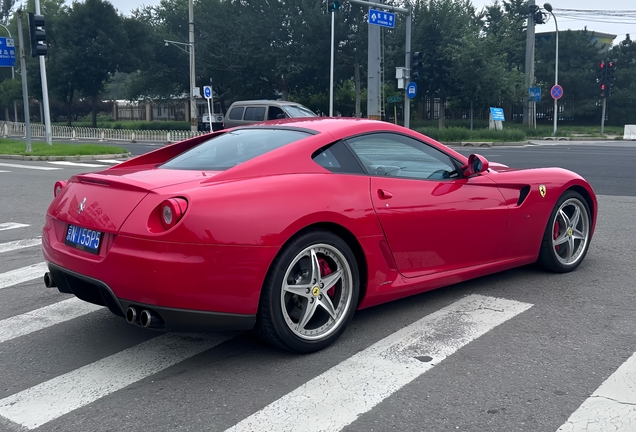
[(288, 227)]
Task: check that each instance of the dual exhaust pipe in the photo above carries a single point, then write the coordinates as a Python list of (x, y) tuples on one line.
[(146, 318)]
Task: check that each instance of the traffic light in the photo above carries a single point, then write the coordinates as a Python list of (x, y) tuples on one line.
[(37, 35), (416, 65), (539, 17), (333, 5), (603, 91)]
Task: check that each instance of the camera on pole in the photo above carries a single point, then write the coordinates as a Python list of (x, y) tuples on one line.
[(37, 35)]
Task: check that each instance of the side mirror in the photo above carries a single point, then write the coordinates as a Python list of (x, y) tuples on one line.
[(477, 164)]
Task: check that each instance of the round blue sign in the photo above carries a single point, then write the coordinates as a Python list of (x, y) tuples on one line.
[(411, 90), (556, 91), (207, 91)]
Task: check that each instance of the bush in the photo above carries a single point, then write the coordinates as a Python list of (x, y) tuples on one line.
[(458, 134)]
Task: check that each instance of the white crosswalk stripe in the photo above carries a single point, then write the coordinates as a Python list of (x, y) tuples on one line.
[(24, 274), (3, 171), (32, 167), (20, 244), (110, 161), (11, 225), (612, 407), (361, 382), (38, 405), (38, 319)]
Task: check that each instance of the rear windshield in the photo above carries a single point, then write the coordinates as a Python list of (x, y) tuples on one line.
[(232, 148), (298, 111)]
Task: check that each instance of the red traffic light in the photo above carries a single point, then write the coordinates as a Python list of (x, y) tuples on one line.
[(601, 65)]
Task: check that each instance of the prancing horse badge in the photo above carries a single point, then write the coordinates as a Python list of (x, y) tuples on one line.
[(542, 190)]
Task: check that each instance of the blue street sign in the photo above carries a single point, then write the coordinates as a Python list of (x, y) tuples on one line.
[(535, 94), (7, 52), (411, 90), (556, 91), (497, 114), (207, 92), (381, 18)]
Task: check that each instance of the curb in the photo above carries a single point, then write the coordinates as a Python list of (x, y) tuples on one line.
[(486, 143), (66, 158)]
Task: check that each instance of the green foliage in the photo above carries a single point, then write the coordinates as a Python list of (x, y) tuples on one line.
[(107, 123), (9, 146), (10, 90)]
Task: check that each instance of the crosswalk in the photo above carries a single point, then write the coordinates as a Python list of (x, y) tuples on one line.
[(331, 400), (6, 167)]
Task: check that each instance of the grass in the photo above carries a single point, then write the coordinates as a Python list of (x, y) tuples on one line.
[(458, 134), (16, 147)]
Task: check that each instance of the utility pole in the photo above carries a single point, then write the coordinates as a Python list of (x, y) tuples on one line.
[(407, 64), (528, 112), (25, 94), (48, 133), (193, 101)]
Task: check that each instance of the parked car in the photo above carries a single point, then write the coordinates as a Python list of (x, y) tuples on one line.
[(254, 111), (291, 226)]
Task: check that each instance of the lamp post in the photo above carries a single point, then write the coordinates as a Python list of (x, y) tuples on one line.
[(189, 49), (548, 7)]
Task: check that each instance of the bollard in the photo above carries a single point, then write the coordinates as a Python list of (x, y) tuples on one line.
[(133, 138)]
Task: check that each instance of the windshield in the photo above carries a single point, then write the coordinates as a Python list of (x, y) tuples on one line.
[(298, 111), (232, 148)]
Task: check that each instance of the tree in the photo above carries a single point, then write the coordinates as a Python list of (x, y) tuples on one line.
[(95, 46)]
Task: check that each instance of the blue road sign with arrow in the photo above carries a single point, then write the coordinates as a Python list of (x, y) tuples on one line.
[(411, 90), (381, 18), (207, 92)]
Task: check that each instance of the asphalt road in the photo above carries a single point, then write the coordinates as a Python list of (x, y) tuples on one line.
[(564, 335)]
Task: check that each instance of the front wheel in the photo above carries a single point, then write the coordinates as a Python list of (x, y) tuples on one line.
[(310, 294), (567, 236)]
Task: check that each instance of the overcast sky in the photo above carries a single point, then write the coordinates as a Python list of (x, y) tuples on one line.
[(616, 26)]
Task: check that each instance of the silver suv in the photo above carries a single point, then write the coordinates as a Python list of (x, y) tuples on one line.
[(254, 111)]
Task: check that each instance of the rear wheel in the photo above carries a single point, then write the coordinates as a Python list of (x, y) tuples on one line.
[(567, 236), (310, 294)]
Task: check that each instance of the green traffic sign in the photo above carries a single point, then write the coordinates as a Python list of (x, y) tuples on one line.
[(393, 99)]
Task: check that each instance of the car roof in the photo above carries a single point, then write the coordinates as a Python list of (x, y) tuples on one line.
[(265, 102), (327, 124)]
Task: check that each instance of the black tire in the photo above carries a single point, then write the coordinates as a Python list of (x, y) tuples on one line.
[(277, 307), (550, 256)]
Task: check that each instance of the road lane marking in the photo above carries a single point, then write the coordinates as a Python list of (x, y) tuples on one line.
[(47, 316), (23, 274), (79, 164), (1, 171), (611, 406), (109, 161), (340, 395), (49, 400), (33, 167), (20, 244), (11, 225)]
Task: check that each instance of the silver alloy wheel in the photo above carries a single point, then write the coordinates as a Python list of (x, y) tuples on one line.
[(570, 232), (314, 303)]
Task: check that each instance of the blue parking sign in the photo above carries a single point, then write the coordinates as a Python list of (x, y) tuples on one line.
[(7, 52), (411, 90)]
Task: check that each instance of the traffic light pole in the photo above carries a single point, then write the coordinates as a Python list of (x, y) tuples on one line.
[(25, 92), (603, 114), (48, 134), (333, 21)]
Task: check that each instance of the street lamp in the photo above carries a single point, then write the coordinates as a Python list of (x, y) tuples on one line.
[(548, 7)]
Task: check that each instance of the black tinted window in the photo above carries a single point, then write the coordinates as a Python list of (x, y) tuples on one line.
[(232, 148), (237, 113), (338, 159), (254, 113)]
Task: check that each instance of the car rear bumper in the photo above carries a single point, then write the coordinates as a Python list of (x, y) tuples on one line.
[(169, 319)]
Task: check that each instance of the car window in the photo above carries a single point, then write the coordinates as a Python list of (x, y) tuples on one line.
[(254, 113), (338, 158), (393, 155), (237, 113), (233, 148), (298, 111), (274, 112)]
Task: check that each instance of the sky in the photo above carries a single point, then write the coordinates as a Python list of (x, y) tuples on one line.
[(616, 26)]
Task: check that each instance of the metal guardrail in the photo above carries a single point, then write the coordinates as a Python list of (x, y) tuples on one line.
[(99, 134)]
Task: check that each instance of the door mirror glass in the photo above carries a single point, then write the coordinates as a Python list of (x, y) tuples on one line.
[(477, 164)]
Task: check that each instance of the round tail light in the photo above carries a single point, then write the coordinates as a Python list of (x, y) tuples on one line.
[(172, 211), (59, 185)]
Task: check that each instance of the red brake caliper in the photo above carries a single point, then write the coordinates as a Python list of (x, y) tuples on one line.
[(556, 233), (326, 271)]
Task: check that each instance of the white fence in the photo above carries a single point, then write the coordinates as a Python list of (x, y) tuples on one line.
[(84, 133), (630, 132)]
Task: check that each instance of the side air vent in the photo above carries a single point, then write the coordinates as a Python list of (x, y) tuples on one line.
[(523, 193)]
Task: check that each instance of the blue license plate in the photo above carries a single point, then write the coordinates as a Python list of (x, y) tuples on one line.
[(83, 238)]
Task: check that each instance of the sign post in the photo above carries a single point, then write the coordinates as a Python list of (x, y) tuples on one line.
[(496, 117), (556, 92), (207, 92)]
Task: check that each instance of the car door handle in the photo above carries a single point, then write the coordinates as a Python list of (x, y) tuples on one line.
[(384, 194)]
